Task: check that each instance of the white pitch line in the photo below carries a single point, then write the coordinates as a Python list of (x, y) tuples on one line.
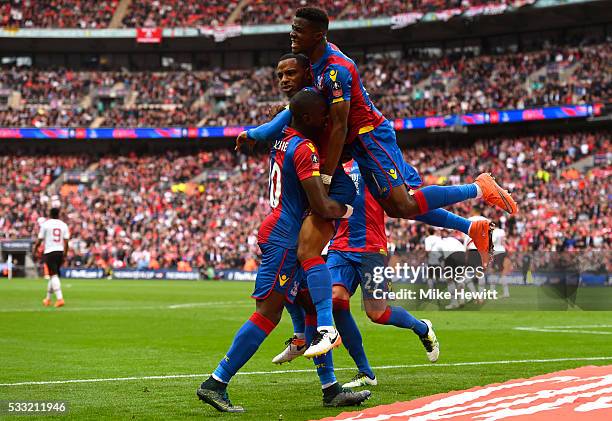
[(130, 308), (552, 329), (252, 373)]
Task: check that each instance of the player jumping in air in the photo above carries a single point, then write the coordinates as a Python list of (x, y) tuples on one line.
[(357, 122), (360, 246), (295, 185), (54, 234)]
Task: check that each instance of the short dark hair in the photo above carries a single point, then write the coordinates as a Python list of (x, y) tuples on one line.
[(305, 101), (302, 59), (54, 213), (314, 15)]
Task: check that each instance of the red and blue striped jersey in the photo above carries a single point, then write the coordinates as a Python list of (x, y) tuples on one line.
[(364, 231), (292, 159), (337, 78)]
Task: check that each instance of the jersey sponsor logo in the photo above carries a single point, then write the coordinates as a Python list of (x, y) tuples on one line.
[(282, 280), (333, 74), (393, 173)]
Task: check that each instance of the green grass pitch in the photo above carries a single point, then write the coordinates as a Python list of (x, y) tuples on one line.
[(118, 329)]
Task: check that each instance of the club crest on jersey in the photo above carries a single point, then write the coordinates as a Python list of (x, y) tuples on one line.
[(393, 173), (282, 280), (314, 158)]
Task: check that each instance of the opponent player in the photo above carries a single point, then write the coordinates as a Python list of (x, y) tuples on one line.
[(358, 248), (55, 234), (295, 184), (356, 121)]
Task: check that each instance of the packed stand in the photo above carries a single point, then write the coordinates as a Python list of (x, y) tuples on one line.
[(175, 13), (560, 209), (57, 13), (400, 87), (142, 211)]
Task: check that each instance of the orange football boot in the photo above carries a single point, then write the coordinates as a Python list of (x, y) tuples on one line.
[(46, 302), (59, 303), (480, 233), (494, 195)]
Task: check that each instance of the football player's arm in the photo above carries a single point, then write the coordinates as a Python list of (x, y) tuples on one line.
[(320, 203), (338, 82), (66, 238), (39, 238), (306, 160), (267, 132)]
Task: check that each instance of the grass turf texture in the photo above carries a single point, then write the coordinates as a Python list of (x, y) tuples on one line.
[(146, 328)]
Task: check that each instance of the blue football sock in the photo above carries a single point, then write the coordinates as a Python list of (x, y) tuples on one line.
[(246, 342), (351, 336), (433, 197), (324, 363), (445, 219), (398, 316), (297, 316), (320, 288)]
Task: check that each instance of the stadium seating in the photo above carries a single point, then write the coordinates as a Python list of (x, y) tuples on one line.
[(151, 209), (193, 13), (57, 13), (407, 87)]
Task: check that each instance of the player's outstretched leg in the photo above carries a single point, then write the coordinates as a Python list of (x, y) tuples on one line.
[(478, 230), (333, 394), (400, 317), (213, 391), (296, 345), (352, 339)]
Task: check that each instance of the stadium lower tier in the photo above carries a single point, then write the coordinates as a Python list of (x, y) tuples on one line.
[(173, 209)]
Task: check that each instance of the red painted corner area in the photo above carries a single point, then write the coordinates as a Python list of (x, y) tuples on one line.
[(579, 394)]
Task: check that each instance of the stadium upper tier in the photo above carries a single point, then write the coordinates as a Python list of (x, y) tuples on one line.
[(400, 87), (123, 209), (194, 13)]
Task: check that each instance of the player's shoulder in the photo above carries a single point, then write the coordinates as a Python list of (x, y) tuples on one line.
[(305, 145)]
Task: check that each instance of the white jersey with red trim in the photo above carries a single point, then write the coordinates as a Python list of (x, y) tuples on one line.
[(53, 232)]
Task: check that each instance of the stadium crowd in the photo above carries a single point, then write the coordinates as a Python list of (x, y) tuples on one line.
[(412, 86), (173, 209), (194, 13)]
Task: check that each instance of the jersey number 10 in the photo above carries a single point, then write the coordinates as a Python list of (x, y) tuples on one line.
[(275, 185)]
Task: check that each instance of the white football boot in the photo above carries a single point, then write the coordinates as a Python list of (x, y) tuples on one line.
[(430, 342), (295, 348)]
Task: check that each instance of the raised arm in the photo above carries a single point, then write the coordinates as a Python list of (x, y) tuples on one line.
[(267, 132)]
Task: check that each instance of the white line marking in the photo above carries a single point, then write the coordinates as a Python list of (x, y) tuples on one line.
[(127, 307), (252, 373), (564, 329)]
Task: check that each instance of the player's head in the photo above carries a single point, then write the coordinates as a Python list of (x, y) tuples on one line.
[(54, 213), (294, 74), (308, 30), (309, 113)]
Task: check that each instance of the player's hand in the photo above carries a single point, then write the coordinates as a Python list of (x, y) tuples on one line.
[(243, 139), (274, 110)]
